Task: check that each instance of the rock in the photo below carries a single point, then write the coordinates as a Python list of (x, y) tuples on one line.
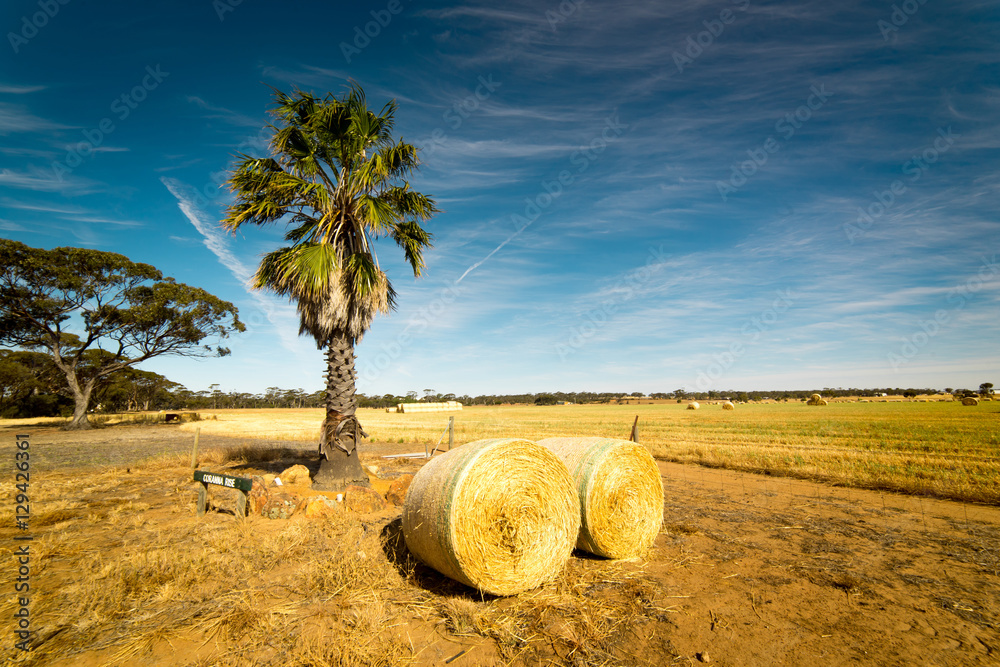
[(372, 469), (297, 475), (703, 657), (397, 491), (362, 500), (258, 495), (320, 506), (381, 486), (281, 505)]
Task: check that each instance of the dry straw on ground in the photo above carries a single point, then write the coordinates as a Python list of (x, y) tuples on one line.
[(621, 495), (499, 515)]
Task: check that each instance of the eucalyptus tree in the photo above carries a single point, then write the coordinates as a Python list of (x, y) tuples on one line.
[(337, 179), (97, 313)]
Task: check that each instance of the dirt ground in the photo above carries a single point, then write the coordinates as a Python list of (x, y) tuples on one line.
[(748, 569), (789, 572)]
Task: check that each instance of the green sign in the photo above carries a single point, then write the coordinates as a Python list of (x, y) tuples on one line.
[(241, 483)]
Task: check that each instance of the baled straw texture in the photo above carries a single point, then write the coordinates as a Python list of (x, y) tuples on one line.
[(620, 491), (499, 515)]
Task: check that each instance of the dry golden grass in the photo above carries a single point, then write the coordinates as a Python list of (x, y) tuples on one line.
[(938, 448), (124, 573)]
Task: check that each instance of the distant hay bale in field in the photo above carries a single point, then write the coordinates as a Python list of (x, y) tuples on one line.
[(499, 515), (445, 406), (970, 400), (816, 399), (728, 405), (693, 405), (620, 493)]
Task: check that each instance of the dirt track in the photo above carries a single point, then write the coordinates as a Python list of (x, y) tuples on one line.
[(787, 572)]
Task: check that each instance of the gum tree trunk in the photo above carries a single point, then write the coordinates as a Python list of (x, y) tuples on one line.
[(81, 401), (341, 433)]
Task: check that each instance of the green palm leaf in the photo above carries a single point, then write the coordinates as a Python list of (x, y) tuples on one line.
[(337, 178)]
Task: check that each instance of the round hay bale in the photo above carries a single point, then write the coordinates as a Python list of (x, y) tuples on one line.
[(970, 400), (620, 492), (499, 515), (693, 405), (815, 397), (728, 405)]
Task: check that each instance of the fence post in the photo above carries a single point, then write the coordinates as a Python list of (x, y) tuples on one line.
[(451, 432), (194, 451), (635, 431)]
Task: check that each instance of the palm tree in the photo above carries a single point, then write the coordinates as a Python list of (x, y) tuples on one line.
[(337, 179)]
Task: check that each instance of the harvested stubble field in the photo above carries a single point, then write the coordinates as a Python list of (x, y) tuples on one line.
[(749, 569), (943, 449)]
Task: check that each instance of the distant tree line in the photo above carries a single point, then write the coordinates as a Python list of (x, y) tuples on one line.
[(32, 386)]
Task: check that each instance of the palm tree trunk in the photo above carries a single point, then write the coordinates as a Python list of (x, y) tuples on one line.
[(339, 464)]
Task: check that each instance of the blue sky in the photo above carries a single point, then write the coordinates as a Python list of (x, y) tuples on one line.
[(636, 196)]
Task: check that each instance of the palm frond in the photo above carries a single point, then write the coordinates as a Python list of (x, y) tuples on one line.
[(412, 238), (336, 177)]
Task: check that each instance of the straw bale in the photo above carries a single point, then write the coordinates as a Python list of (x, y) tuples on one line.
[(970, 400), (444, 406), (620, 492), (728, 405), (693, 405), (499, 515)]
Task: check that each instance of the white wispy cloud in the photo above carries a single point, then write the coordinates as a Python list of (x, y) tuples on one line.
[(101, 220), (280, 315), (8, 226), (41, 180), (15, 119), (43, 207), (9, 89), (228, 115)]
